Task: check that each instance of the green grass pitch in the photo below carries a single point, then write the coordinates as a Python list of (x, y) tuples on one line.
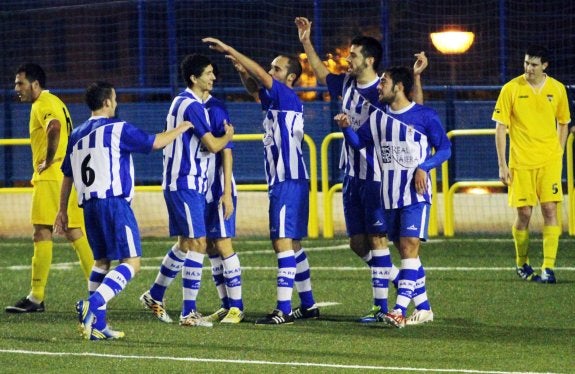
[(486, 319)]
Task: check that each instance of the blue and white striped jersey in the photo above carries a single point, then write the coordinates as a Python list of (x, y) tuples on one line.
[(356, 100), (283, 127), (218, 114), (404, 143), (99, 158), (186, 160)]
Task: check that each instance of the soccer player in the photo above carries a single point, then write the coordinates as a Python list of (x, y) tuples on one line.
[(534, 108), (287, 178), (50, 126), (363, 212), (185, 184), (406, 185), (99, 163), (221, 201)]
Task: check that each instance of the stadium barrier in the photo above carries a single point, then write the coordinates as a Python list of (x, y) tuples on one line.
[(328, 192), (313, 224)]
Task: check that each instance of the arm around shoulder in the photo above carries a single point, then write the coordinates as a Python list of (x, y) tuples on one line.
[(164, 138)]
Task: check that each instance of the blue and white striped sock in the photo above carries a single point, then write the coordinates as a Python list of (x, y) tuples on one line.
[(114, 282), (171, 266), (420, 294), (380, 267), (96, 278), (233, 281), (219, 280), (191, 280), (407, 279), (303, 279), (285, 280)]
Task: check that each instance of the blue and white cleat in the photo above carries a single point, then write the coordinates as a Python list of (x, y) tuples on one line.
[(86, 318)]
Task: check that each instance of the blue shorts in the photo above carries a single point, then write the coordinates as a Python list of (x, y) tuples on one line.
[(112, 229), (216, 226), (289, 209), (363, 207), (186, 213), (411, 221)]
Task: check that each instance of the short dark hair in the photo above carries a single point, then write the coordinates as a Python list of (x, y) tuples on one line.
[(193, 64), (370, 47), (293, 66), (97, 93), (401, 74), (34, 72), (538, 51)]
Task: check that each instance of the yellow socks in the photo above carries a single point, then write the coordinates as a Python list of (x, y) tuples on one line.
[(521, 239), (40, 268), (550, 245), (85, 255)]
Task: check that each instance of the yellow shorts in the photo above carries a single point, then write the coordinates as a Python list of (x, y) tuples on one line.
[(531, 185), (46, 202)]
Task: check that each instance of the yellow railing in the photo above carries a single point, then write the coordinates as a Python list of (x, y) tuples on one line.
[(328, 192), (313, 225), (449, 191)]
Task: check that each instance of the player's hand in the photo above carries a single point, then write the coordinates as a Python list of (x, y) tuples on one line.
[(229, 128), (420, 181), (420, 63), (303, 29), (228, 204), (239, 67), (43, 166), (186, 125), (216, 45), (505, 175), (342, 120), (61, 222)]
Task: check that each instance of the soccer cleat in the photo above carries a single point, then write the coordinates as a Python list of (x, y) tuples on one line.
[(526, 273), (277, 317), (106, 334), (217, 316), (25, 305), (419, 316), (157, 307), (86, 318), (395, 318), (548, 276), (375, 315), (194, 319), (306, 313), (235, 315)]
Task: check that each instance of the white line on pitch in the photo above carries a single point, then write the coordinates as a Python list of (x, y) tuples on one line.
[(256, 362)]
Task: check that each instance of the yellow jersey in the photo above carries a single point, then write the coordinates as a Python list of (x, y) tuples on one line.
[(46, 108), (532, 117)]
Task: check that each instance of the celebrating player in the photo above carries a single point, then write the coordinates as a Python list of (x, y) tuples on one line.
[(287, 178), (99, 163)]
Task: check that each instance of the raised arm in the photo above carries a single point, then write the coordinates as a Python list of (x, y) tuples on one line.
[(418, 68), (250, 84), (304, 31), (252, 67)]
